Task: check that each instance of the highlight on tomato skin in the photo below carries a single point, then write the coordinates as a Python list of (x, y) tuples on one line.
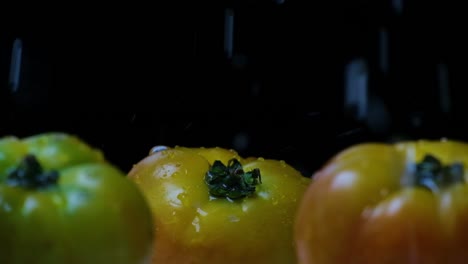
[(387, 203), (212, 206)]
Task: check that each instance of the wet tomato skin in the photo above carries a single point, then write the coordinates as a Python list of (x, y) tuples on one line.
[(62, 202), (193, 226), (387, 203)]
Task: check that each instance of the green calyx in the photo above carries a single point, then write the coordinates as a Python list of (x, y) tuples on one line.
[(433, 175), (29, 174), (231, 181)]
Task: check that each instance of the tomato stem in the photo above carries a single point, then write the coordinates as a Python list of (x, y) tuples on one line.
[(29, 174), (433, 175), (231, 181)]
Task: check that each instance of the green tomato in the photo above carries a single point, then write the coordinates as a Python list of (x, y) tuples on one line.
[(62, 202)]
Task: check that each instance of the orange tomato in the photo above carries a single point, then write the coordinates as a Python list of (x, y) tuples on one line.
[(402, 203)]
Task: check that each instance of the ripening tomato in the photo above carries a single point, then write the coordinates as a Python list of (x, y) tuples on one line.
[(62, 202), (404, 203)]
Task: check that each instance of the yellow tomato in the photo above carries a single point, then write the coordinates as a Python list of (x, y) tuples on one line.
[(212, 206)]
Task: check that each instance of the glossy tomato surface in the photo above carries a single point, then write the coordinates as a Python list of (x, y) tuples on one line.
[(405, 203), (62, 202), (194, 226)]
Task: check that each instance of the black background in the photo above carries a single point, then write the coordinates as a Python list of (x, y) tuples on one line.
[(161, 77)]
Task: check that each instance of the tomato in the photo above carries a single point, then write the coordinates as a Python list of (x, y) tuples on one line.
[(382, 203), (62, 202), (212, 206)]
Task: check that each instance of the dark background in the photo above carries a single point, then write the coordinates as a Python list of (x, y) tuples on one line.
[(162, 77)]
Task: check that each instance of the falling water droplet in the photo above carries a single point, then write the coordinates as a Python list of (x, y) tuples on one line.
[(15, 67), (398, 6)]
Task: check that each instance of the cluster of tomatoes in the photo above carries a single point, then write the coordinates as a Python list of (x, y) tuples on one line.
[(61, 201)]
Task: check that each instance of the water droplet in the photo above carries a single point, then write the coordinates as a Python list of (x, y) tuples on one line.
[(283, 163), (263, 195), (261, 159), (181, 196), (156, 149), (201, 212), (196, 224)]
